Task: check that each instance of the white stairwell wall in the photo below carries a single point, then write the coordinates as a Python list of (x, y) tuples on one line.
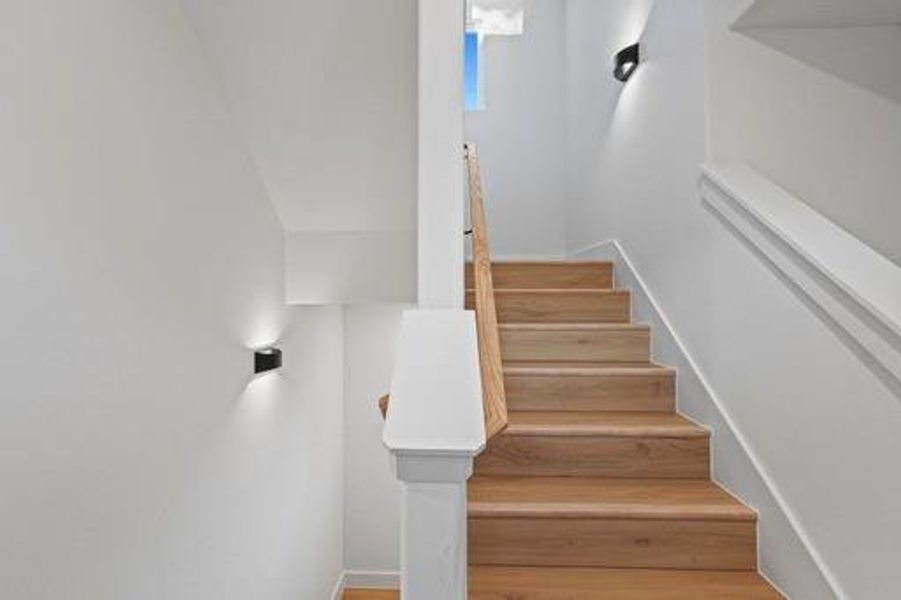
[(141, 261), (519, 136), (324, 93), (822, 428), (827, 140)]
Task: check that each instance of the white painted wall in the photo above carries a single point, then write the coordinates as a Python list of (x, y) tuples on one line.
[(373, 494), (819, 423), (325, 95), (828, 141), (138, 457), (521, 135), (440, 174)]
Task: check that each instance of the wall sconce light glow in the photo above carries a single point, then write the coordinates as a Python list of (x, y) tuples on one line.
[(626, 61), (267, 359)]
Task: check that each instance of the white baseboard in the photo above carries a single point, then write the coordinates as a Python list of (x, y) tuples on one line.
[(384, 580), (787, 557)]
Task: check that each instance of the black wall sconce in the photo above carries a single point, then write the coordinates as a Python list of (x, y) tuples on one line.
[(626, 62), (267, 359)]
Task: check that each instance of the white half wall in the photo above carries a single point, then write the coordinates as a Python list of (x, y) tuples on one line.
[(521, 135), (822, 427), (141, 262)]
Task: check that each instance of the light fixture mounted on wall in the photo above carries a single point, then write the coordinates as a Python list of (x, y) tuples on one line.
[(267, 359), (626, 62)]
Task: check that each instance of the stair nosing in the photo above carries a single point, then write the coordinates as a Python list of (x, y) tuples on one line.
[(609, 369), (603, 291), (686, 429), (564, 326), (550, 262), (618, 512), (606, 509)]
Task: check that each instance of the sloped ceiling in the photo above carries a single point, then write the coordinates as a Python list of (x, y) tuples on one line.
[(821, 13), (325, 95), (858, 41)]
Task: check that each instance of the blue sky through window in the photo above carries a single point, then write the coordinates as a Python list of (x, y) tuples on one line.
[(471, 66)]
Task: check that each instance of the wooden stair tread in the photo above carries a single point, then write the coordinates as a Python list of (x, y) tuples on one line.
[(573, 305), (585, 368), (559, 583), (603, 423), (584, 497), (574, 327), (553, 262), (589, 386), (568, 342), (553, 291), (547, 274), (370, 594), (597, 488)]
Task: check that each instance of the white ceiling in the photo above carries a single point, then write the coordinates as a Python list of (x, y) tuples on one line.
[(821, 13)]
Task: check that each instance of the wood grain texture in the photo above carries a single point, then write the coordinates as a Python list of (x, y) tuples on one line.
[(624, 543), (583, 497), (531, 583), (605, 424), (559, 306), (549, 456), (606, 342), (591, 275), (490, 365), (536, 583), (370, 594), (542, 386), (595, 468)]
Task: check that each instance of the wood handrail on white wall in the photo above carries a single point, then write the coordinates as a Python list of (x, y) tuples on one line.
[(494, 397)]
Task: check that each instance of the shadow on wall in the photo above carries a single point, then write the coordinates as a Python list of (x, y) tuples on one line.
[(862, 50), (632, 30)]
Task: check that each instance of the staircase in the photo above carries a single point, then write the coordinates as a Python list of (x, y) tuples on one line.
[(597, 488)]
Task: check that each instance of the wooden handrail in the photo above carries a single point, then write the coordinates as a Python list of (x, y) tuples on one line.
[(493, 396)]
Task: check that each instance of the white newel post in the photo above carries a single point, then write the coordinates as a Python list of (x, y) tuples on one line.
[(434, 429), (435, 424), (433, 549)]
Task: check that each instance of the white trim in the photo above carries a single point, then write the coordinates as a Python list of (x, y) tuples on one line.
[(338, 590), (377, 580), (435, 426), (855, 287), (735, 464), (436, 388)]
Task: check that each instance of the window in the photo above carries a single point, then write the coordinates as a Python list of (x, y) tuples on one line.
[(472, 74), (484, 18)]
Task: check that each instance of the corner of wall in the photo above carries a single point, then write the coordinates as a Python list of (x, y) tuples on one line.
[(379, 580)]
